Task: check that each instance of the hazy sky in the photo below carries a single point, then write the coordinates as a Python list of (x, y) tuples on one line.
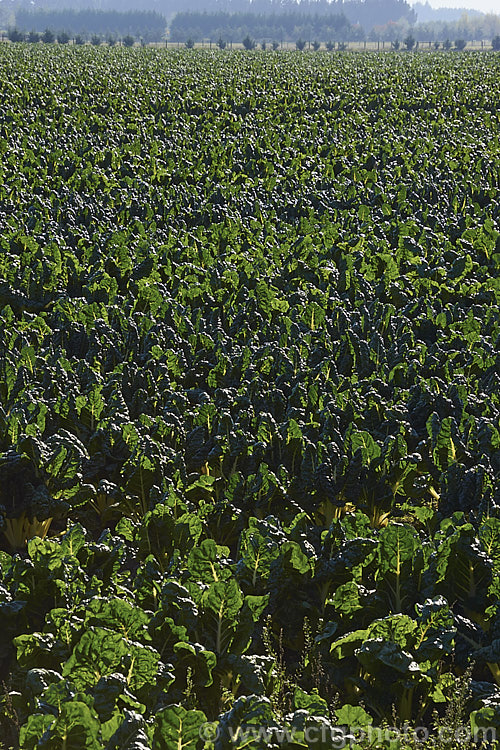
[(486, 6)]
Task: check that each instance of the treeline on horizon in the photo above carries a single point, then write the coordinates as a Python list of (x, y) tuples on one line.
[(365, 13), (229, 19), (354, 20), (285, 27), (147, 25), (468, 27), (292, 26)]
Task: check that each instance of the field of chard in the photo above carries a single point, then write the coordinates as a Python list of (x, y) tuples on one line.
[(249, 397)]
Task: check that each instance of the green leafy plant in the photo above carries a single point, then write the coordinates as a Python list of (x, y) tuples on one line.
[(249, 410)]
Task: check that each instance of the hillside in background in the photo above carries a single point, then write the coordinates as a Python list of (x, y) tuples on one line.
[(425, 12)]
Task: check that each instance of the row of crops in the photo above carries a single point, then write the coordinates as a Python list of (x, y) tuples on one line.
[(249, 396)]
